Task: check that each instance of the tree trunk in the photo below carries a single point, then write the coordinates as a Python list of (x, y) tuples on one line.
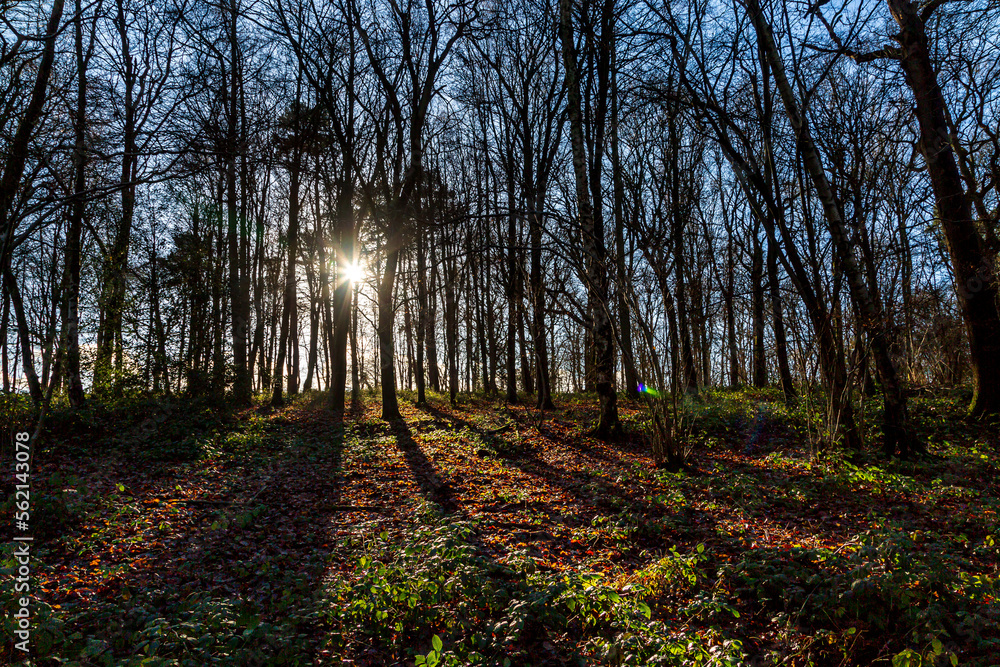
[(313, 356), (430, 336), (480, 314), (975, 277), (780, 339), (527, 378), (386, 320), (355, 367), (325, 305), (75, 231), (421, 313), (161, 377), (116, 266), (218, 307), (896, 430), (346, 257), (259, 346), (24, 337), (608, 425), (621, 276), (511, 288), (288, 297), (451, 319), (536, 285), (757, 311), (17, 151), (4, 351), (689, 374), (239, 297)]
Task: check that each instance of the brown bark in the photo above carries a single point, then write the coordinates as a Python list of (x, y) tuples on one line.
[(346, 256), (621, 275), (386, 319), (757, 311), (355, 363), (535, 203), (778, 321), (511, 289), (450, 266), (430, 335)]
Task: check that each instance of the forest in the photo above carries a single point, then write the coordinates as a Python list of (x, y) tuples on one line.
[(500, 332)]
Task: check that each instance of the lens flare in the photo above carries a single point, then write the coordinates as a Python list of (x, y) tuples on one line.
[(643, 389), (355, 272)]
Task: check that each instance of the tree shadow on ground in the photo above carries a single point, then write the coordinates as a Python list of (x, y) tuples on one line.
[(424, 472), (592, 496), (245, 528)]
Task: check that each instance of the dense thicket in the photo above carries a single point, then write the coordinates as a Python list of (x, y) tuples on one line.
[(515, 197)]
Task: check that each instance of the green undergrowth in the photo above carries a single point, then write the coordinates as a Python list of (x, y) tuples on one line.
[(711, 564), (431, 598), (890, 596), (924, 602), (161, 630), (162, 429), (426, 597)]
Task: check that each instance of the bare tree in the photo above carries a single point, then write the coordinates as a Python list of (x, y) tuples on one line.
[(425, 36), (587, 181), (972, 262)]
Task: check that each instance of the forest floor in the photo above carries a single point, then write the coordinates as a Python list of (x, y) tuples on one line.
[(174, 533)]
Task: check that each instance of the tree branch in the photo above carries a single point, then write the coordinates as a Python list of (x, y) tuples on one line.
[(887, 51), (928, 8)]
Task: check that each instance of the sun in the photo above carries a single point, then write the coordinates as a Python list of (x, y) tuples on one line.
[(355, 272)]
